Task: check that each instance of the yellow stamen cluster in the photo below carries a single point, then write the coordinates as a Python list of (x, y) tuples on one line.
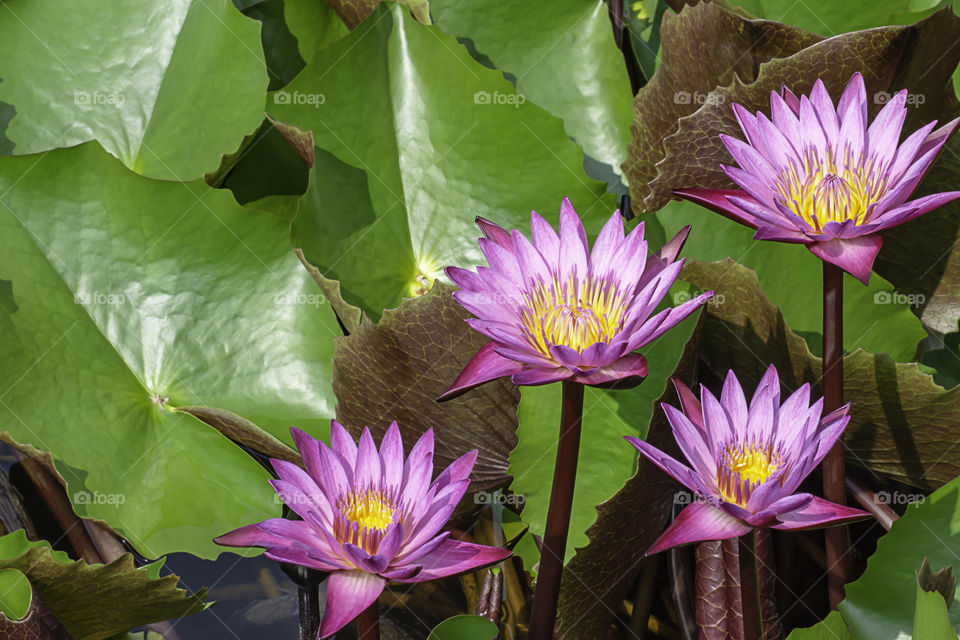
[(574, 314), (368, 509), (742, 468), (827, 188)]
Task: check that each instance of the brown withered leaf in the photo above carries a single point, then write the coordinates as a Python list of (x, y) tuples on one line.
[(704, 46), (913, 57), (903, 425), (626, 526), (241, 430), (395, 369), (353, 12)]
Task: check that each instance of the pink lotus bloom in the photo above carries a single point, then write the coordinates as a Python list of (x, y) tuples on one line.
[(748, 461), (368, 517), (818, 175), (554, 310)]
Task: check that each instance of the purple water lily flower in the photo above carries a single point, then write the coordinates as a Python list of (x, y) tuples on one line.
[(554, 310), (747, 461), (368, 517), (818, 175)]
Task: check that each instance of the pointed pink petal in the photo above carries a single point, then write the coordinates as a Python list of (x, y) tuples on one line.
[(453, 556), (694, 442), (679, 472), (342, 443), (348, 594), (689, 403), (495, 232), (535, 376), (853, 255), (630, 365), (716, 200), (573, 243), (391, 456), (664, 256), (367, 473), (309, 451), (303, 557), (608, 240), (250, 535), (854, 97), (418, 469), (698, 522), (545, 240), (818, 513), (485, 366)]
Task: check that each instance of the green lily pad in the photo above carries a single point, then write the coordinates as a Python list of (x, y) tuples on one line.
[(136, 296), (166, 88), (564, 59), (464, 628), (409, 157)]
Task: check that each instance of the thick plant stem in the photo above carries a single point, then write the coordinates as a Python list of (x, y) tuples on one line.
[(544, 611), (368, 623), (309, 601), (834, 474), (750, 588)]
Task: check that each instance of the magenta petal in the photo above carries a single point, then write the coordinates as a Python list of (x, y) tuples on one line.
[(495, 232), (818, 513), (342, 443), (689, 403), (630, 365), (348, 594), (391, 456), (537, 376), (716, 200), (698, 522), (853, 255), (304, 557), (367, 472), (679, 472), (310, 452), (453, 556), (249, 536), (545, 240), (486, 365), (662, 258)]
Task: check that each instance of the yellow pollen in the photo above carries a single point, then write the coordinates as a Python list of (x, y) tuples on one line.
[(368, 509), (572, 314), (753, 464), (830, 188)]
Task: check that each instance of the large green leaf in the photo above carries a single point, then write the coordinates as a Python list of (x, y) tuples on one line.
[(564, 58), (881, 604), (829, 18), (606, 460), (464, 628), (874, 317), (97, 601), (167, 88), (315, 25), (903, 425), (413, 153), (134, 296)]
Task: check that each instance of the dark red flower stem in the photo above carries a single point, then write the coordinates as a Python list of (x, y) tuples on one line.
[(368, 623), (750, 588), (543, 615), (309, 601), (834, 474)]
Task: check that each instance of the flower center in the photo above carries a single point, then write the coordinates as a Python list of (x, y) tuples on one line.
[(744, 467), (362, 518), (825, 188), (572, 314), (367, 509)]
